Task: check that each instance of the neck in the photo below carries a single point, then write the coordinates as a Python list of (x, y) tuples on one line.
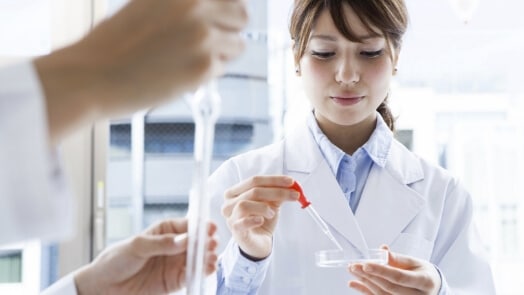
[(349, 138)]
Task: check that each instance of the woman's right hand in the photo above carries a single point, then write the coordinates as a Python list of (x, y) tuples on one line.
[(251, 210)]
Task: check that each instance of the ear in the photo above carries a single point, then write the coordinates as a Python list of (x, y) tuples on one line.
[(297, 64), (297, 70), (395, 61)]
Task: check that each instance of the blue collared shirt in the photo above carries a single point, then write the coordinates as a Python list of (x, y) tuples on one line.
[(352, 171)]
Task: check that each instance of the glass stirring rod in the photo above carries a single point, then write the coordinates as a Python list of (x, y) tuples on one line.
[(306, 205)]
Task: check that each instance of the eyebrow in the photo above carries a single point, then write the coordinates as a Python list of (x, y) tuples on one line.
[(333, 39)]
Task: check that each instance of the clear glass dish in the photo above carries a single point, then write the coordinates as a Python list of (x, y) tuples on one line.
[(342, 258)]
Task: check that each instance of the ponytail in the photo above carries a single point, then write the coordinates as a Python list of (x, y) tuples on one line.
[(386, 114)]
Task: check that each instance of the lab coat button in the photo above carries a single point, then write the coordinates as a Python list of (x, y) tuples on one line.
[(251, 270), (246, 280)]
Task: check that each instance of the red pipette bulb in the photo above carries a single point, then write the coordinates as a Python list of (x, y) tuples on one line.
[(302, 199)]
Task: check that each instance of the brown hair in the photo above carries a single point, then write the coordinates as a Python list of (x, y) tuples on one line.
[(390, 17)]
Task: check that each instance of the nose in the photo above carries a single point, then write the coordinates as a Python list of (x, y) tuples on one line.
[(347, 72)]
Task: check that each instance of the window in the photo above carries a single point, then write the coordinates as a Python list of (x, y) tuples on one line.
[(177, 138), (10, 266)]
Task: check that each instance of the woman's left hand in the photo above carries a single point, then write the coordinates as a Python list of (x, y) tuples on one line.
[(402, 275)]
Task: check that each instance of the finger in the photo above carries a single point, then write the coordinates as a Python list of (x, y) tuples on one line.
[(359, 287), (245, 224), (211, 228), (211, 257), (391, 278), (212, 244), (270, 196), (228, 15), (275, 195), (210, 263), (403, 261), (413, 272), (169, 226), (391, 287), (178, 225), (228, 46), (245, 208), (259, 181), (147, 246), (369, 285)]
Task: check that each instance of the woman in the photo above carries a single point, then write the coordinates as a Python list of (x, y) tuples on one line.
[(369, 189)]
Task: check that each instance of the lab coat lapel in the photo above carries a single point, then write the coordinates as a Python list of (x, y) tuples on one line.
[(388, 204), (304, 162)]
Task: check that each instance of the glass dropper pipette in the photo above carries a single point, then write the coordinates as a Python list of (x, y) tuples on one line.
[(306, 205)]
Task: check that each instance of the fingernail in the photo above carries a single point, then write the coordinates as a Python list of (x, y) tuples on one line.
[(270, 213), (258, 219), (179, 238), (288, 180), (367, 268), (353, 268)]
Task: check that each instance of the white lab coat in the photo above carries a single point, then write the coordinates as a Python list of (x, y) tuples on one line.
[(33, 196), (414, 207), (34, 201)]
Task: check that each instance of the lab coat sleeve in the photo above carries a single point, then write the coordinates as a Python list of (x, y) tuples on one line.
[(237, 274), (35, 203), (64, 286), (459, 252), (444, 288)]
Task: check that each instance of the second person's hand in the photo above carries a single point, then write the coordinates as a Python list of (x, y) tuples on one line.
[(144, 55), (153, 262)]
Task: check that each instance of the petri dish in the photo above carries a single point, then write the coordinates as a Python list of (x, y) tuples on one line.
[(342, 258)]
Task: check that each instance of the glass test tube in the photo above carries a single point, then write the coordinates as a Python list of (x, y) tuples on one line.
[(206, 107)]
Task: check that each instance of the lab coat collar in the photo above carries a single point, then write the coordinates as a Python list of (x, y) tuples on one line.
[(387, 205), (303, 155)]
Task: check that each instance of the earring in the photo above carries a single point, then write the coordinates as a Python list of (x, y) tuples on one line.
[(395, 70), (297, 70)]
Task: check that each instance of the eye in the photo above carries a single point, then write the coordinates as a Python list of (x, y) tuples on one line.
[(372, 54), (322, 55)]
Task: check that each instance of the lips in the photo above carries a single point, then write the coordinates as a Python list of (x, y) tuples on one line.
[(347, 99)]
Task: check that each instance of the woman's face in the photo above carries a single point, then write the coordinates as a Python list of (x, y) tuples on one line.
[(345, 81)]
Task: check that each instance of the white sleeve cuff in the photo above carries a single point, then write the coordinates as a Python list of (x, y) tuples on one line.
[(444, 288), (64, 286)]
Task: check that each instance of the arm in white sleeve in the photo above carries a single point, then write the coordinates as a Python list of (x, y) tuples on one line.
[(64, 286), (32, 191), (459, 253)]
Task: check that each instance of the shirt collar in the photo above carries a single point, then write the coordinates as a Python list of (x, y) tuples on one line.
[(331, 152), (376, 148), (378, 144)]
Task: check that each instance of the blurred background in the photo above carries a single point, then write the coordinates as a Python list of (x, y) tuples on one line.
[(457, 95)]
